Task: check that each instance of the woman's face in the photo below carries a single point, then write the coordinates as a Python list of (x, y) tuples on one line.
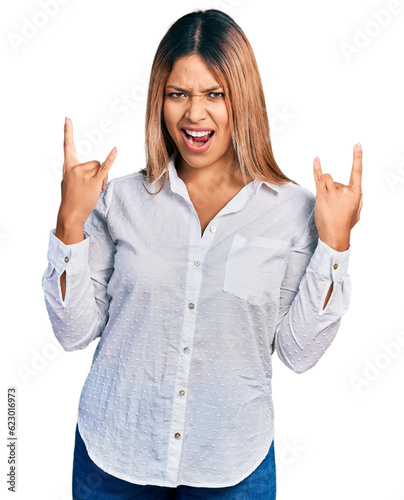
[(194, 101)]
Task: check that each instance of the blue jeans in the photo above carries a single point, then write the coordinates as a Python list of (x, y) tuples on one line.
[(91, 482)]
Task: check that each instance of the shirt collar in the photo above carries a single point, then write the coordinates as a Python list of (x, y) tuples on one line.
[(177, 184), (258, 184), (172, 172)]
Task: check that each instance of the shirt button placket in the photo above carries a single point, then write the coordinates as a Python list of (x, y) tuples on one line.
[(192, 287)]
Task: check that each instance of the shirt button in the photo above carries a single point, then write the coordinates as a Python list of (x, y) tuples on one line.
[(66, 259), (212, 229), (181, 393), (191, 305), (177, 435), (186, 350), (335, 266), (197, 262)]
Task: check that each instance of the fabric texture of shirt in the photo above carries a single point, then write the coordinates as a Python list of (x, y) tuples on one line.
[(179, 389)]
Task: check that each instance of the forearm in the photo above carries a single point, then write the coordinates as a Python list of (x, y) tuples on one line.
[(307, 328), (340, 245), (80, 264), (77, 314), (328, 294), (305, 333), (77, 318), (69, 232)]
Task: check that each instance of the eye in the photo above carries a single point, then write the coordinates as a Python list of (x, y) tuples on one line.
[(175, 94), (217, 94)]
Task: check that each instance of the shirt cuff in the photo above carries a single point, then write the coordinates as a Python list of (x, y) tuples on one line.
[(70, 258), (329, 262)]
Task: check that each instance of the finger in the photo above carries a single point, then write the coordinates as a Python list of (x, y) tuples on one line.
[(329, 182), (89, 168), (68, 144), (356, 172), (105, 167), (323, 181), (92, 165), (318, 175)]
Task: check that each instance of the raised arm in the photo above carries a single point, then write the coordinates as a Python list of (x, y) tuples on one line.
[(80, 252), (316, 289), (305, 328)]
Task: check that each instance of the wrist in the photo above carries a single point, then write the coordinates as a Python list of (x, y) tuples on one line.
[(67, 217), (338, 245), (69, 231)]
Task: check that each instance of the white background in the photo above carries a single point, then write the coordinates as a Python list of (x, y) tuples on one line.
[(328, 84)]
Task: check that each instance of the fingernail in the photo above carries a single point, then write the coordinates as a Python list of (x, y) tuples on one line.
[(113, 150), (316, 159), (66, 120), (358, 146)]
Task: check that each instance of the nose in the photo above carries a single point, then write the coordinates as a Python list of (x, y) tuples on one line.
[(196, 108)]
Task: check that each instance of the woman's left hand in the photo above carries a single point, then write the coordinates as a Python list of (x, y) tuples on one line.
[(337, 208)]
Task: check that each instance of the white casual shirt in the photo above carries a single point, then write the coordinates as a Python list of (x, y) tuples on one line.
[(179, 390)]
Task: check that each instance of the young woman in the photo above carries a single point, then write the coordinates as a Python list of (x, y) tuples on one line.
[(192, 272)]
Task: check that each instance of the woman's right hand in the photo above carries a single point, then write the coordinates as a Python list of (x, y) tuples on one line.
[(81, 187)]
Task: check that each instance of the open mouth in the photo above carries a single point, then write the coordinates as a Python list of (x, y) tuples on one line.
[(198, 141)]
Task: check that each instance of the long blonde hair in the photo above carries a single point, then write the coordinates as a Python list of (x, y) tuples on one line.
[(223, 46)]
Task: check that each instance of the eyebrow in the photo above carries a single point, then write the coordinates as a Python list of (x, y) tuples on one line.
[(183, 90)]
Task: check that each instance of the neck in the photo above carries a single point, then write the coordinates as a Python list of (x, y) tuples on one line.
[(228, 173)]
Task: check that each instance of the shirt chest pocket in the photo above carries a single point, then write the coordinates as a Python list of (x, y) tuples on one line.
[(255, 267)]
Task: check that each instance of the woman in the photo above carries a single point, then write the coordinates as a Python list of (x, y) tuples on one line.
[(192, 272)]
